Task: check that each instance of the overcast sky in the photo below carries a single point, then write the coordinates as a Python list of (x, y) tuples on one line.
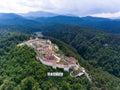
[(100, 8)]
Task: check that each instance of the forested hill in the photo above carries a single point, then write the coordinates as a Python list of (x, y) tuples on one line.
[(100, 49), (20, 70)]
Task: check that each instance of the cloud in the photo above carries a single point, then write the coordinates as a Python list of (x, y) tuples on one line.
[(75, 7), (87, 7), (107, 15)]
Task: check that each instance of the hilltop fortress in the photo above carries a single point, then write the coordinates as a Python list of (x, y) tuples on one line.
[(48, 54)]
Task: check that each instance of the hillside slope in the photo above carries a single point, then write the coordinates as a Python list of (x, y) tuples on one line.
[(19, 69), (100, 49)]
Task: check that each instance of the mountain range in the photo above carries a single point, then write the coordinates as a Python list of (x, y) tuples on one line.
[(38, 14), (36, 20)]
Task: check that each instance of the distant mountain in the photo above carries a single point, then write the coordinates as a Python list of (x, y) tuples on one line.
[(108, 25), (35, 20), (4, 16), (10, 18), (14, 21), (90, 18), (39, 14)]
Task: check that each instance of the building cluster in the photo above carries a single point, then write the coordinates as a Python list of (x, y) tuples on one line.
[(48, 55)]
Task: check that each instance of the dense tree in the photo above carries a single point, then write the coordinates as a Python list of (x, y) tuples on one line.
[(20, 70), (99, 48)]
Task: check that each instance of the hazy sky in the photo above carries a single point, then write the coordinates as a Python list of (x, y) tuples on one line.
[(103, 8)]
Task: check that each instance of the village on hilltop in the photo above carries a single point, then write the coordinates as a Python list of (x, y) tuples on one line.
[(47, 53)]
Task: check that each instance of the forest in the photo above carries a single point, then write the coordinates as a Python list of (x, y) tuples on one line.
[(100, 49), (20, 70)]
